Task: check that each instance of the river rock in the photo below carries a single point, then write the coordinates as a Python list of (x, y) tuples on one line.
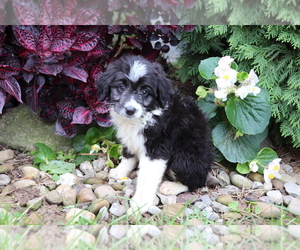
[(219, 208), (75, 236), (269, 233), (104, 191), (30, 171), (6, 154), (5, 168), (224, 179), (4, 179), (294, 206), (75, 213), (24, 183), (69, 197), (97, 204), (266, 210), (275, 197), (292, 189), (294, 230), (34, 204), (224, 199), (88, 170), (186, 198), (54, 197), (240, 181), (117, 209), (174, 210), (99, 164), (118, 231), (86, 195), (256, 177), (285, 178)]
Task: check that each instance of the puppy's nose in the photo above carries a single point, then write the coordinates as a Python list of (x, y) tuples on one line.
[(130, 110)]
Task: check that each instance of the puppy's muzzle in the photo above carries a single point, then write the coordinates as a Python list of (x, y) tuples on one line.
[(130, 110)]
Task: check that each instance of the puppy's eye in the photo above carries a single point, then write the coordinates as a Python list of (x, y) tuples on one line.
[(122, 88), (144, 92)]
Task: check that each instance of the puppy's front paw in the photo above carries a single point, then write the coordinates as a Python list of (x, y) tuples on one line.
[(117, 173), (172, 188), (141, 203)]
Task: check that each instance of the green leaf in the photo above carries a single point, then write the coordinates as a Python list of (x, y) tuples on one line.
[(241, 149), (92, 136), (243, 168), (208, 106), (250, 115), (264, 157), (114, 151), (82, 158), (78, 142), (44, 154), (57, 167), (107, 132), (207, 67), (241, 76)]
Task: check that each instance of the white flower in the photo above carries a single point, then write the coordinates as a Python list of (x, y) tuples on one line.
[(226, 77), (242, 92), (252, 78), (253, 166), (224, 62), (272, 170), (223, 92), (253, 89), (67, 178)]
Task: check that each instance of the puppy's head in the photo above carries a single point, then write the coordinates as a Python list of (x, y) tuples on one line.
[(134, 86)]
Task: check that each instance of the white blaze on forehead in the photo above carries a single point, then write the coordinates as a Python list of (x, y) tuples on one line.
[(137, 71)]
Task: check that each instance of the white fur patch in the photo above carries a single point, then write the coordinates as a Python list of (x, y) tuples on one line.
[(123, 169), (133, 104), (149, 177), (172, 188), (137, 71)]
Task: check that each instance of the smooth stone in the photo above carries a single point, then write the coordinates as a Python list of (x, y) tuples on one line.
[(231, 238), (287, 199), (224, 199), (297, 177), (266, 210), (33, 219), (62, 188), (87, 168), (292, 189), (85, 195), (6, 155), (174, 232), (256, 177), (99, 164), (97, 204), (34, 204), (224, 179), (69, 197), (153, 231), (117, 186), (5, 168), (154, 210), (277, 184), (7, 189), (104, 191), (117, 209), (232, 216), (294, 230), (30, 171), (167, 199), (174, 210), (103, 175), (24, 183), (75, 213), (287, 169), (49, 183), (54, 197), (257, 185), (275, 197), (4, 179), (269, 233), (294, 206), (219, 208), (220, 229), (118, 231), (75, 236), (205, 199), (93, 180), (103, 214), (241, 181), (201, 205), (186, 198), (285, 178)]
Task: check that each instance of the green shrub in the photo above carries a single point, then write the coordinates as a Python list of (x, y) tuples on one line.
[(272, 51)]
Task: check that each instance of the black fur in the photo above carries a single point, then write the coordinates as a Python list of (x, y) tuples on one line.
[(180, 134)]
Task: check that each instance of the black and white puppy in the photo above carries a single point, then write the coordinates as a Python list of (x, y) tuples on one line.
[(164, 134)]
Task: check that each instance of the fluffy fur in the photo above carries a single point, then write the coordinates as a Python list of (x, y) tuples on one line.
[(164, 134)]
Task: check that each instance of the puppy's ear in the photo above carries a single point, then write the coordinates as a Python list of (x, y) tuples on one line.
[(164, 86), (103, 86)]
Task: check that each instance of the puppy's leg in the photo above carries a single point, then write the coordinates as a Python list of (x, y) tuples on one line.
[(123, 169), (172, 188), (149, 177)]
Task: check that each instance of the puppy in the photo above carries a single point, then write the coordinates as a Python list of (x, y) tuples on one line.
[(164, 134)]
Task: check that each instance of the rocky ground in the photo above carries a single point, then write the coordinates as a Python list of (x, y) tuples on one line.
[(220, 216)]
